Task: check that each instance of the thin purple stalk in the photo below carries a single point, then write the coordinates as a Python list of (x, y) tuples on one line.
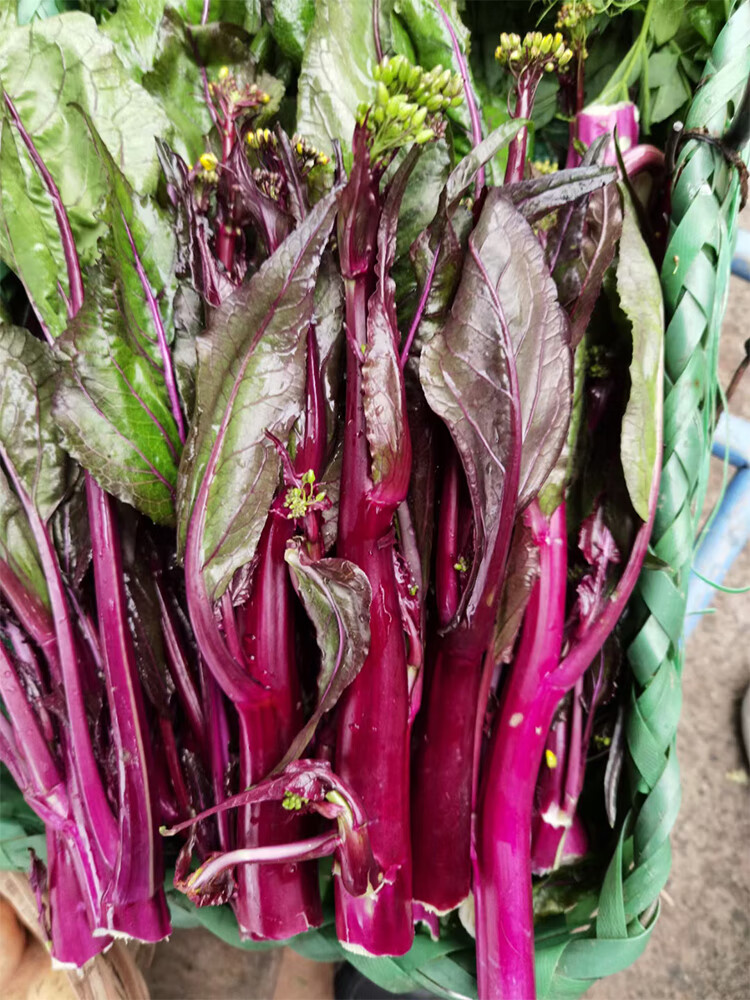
[(421, 306), (47, 784), (75, 280), (166, 356), (320, 846), (177, 664), (471, 104), (134, 902), (29, 610), (26, 656)]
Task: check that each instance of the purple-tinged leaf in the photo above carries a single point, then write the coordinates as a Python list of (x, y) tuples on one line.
[(251, 381), (336, 595), (600, 552), (466, 169), (583, 282), (520, 575), (539, 196), (639, 291), (613, 772), (110, 403), (383, 391)]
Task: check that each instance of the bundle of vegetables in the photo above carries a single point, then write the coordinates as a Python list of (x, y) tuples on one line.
[(330, 457)]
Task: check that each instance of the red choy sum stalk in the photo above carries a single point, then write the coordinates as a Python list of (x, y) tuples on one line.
[(543, 670), (372, 751)]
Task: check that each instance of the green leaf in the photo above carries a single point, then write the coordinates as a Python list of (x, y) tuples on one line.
[(292, 21), (251, 380), (336, 74), (669, 89), (110, 402), (466, 170), (666, 18), (422, 194), (134, 28), (336, 595), (47, 65), (432, 41), (28, 437), (29, 237), (246, 13), (36, 10), (130, 217), (176, 82), (640, 296), (21, 829), (17, 546)]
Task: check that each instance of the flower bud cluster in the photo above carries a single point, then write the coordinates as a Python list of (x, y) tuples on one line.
[(535, 51), (269, 182), (233, 98), (542, 167), (572, 15), (307, 155), (261, 138), (207, 168), (409, 102)]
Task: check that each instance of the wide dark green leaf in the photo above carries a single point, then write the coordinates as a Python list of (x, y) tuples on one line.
[(292, 21), (639, 291), (251, 380), (247, 14), (465, 374), (29, 237), (336, 595), (112, 400), (132, 219), (134, 28), (111, 404), (47, 65), (336, 74)]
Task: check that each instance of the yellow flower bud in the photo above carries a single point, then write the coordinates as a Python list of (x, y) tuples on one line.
[(223, 73), (208, 161), (382, 94)]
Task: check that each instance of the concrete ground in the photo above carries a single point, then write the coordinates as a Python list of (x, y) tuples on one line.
[(700, 950)]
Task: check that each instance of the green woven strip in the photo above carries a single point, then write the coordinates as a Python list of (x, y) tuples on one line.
[(695, 279)]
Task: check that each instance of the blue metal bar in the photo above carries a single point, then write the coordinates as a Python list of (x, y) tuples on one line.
[(730, 530), (741, 259)]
